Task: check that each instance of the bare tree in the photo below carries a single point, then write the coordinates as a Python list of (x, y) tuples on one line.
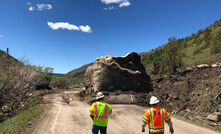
[(16, 83)]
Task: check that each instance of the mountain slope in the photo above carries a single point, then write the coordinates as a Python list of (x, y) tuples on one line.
[(77, 75), (58, 74), (6, 59), (202, 47)]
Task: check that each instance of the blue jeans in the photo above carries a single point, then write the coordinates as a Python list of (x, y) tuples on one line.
[(155, 133), (96, 129)]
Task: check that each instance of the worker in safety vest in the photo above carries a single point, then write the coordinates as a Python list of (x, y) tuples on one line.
[(155, 117), (99, 113)]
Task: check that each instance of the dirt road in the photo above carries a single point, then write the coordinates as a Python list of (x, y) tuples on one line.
[(73, 118)]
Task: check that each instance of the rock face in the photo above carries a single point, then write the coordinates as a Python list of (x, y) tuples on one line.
[(110, 73)]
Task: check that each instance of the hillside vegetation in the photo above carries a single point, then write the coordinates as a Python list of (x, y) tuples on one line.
[(18, 82), (58, 75), (6, 59), (19, 92), (202, 47), (76, 76)]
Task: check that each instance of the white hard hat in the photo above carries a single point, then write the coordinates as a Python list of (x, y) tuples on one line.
[(99, 95), (154, 100)]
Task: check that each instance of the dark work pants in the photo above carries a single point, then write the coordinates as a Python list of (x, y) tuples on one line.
[(96, 129)]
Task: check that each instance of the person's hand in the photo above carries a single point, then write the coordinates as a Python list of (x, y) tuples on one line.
[(171, 130), (143, 128)]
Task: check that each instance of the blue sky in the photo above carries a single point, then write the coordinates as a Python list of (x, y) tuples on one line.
[(66, 34)]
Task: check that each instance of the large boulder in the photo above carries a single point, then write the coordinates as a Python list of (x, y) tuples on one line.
[(215, 117), (109, 73)]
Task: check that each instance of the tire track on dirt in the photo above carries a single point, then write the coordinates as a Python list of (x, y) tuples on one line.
[(55, 120)]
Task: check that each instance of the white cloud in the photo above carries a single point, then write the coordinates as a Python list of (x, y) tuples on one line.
[(124, 4), (1, 36), (120, 3), (66, 25), (111, 1), (63, 25), (41, 7), (86, 29), (109, 8), (31, 8)]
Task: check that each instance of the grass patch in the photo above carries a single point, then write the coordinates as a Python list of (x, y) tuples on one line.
[(204, 57), (180, 117), (56, 91), (215, 128), (17, 123)]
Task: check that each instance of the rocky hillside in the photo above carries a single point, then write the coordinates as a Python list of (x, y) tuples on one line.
[(199, 48), (193, 93)]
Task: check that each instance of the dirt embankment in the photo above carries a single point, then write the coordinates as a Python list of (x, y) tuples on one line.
[(191, 93)]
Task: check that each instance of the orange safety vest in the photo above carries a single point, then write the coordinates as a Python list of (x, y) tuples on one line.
[(155, 118)]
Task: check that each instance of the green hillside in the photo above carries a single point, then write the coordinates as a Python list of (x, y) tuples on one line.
[(202, 47), (57, 74), (77, 75)]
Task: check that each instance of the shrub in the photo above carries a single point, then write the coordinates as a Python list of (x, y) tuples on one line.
[(61, 83), (16, 83), (197, 51), (216, 48)]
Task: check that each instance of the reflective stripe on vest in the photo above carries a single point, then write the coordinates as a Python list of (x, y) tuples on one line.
[(162, 117), (95, 107), (106, 109), (151, 120), (167, 116), (91, 111), (110, 112)]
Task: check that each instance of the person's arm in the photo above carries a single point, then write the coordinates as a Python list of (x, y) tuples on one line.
[(169, 122), (145, 120), (92, 117), (91, 111), (167, 117), (143, 126), (109, 110)]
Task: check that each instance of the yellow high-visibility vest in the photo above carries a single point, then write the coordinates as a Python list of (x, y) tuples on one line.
[(100, 110)]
